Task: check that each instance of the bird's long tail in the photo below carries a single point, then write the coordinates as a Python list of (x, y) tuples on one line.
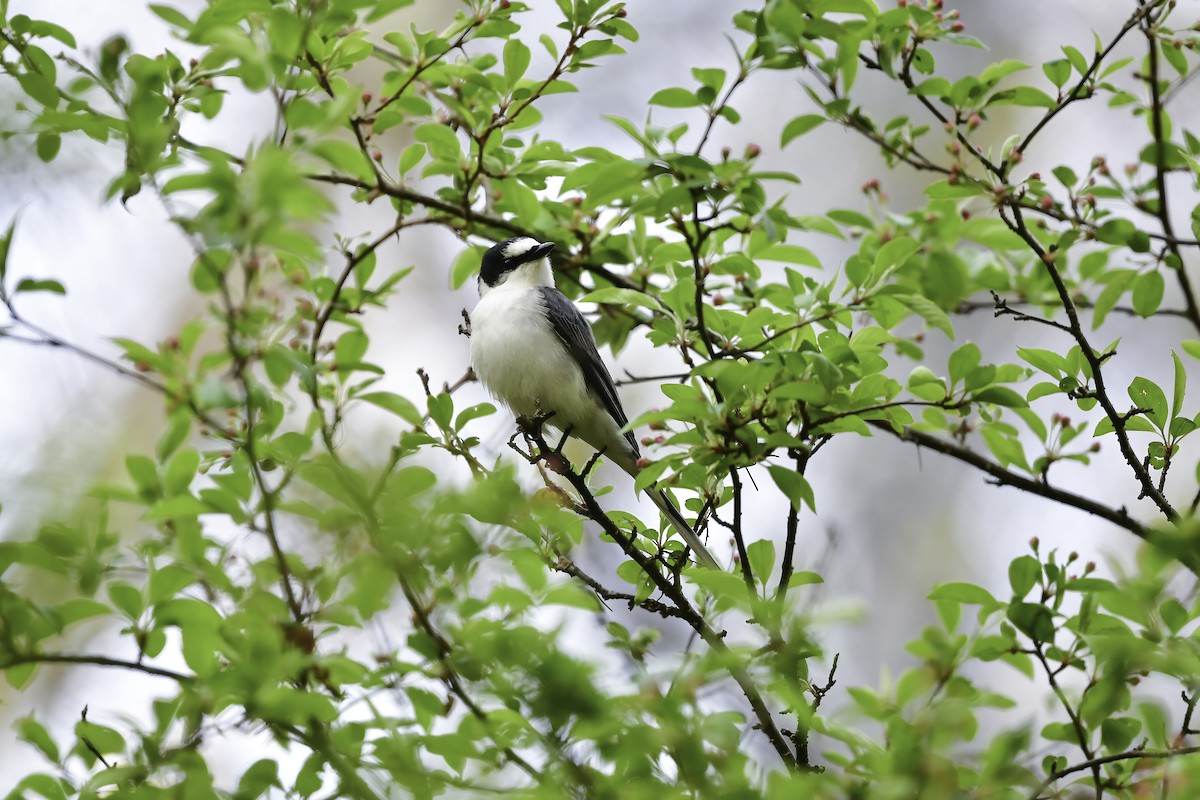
[(671, 512)]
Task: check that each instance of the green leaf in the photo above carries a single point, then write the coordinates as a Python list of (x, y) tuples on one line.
[(1148, 291), (400, 406), (794, 487), (261, 776), (1001, 396), (926, 385), (1047, 361), (963, 360), (1148, 395), (617, 296), (789, 253), (1180, 386), (31, 731), (350, 348), (1058, 71), (1001, 69), (179, 472), (1076, 58), (804, 578), (1022, 96), (181, 506), (893, 253), (927, 310), (44, 285), (5, 244), (127, 599), (762, 559), (1023, 574), (674, 97), (964, 593), (410, 157), (1117, 733), (48, 145), (799, 126), (171, 16), (1032, 619), (473, 412), (516, 61), (465, 265)]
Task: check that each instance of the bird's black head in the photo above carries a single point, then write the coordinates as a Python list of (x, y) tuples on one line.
[(501, 259)]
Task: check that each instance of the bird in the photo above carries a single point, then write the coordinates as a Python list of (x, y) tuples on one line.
[(532, 349)]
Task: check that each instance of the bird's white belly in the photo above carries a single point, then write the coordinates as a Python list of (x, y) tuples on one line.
[(520, 360)]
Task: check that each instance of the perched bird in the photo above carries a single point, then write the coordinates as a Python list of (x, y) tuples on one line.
[(533, 350)]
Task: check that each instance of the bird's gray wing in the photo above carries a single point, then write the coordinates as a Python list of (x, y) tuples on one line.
[(574, 332)]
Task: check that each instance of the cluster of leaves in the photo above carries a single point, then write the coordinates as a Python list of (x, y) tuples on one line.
[(693, 249)]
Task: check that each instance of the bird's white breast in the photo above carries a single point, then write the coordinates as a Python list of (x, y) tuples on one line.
[(520, 360)]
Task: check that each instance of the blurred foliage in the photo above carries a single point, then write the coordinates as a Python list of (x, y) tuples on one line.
[(264, 556)]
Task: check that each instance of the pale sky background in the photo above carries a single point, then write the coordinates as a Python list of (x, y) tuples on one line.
[(904, 520)]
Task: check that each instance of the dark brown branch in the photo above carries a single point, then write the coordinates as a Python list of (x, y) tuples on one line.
[(739, 538), (569, 567), (94, 661), (1081, 734), (1004, 477), (1162, 208), (1017, 226), (1109, 759), (1080, 90), (674, 592)]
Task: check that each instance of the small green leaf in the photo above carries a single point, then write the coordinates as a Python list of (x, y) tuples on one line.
[(1058, 71), (5, 244), (350, 348), (794, 487), (1148, 291), (1117, 733), (1023, 573), (473, 412), (926, 385), (1022, 96), (466, 265), (895, 252), (963, 360), (1001, 69), (400, 406), (762, 559), (927, 310), (1047, 361), (48, 145), (44, 285), (1147, 394), (1180, 387), (31, 731), (1034, 620), (410, 157), (127, 599), (964, 593), (799, 126), (516, 61), (674, 97), (1001, 396)]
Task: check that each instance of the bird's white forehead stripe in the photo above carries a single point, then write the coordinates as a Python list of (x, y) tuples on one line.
[(519, 247)]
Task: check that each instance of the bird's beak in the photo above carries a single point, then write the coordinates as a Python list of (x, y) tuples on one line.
[(542, 250)]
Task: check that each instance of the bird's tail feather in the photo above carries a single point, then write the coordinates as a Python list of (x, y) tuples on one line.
[(669, 510)]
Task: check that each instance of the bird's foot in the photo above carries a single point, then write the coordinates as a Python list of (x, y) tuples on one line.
[(532, 426)]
